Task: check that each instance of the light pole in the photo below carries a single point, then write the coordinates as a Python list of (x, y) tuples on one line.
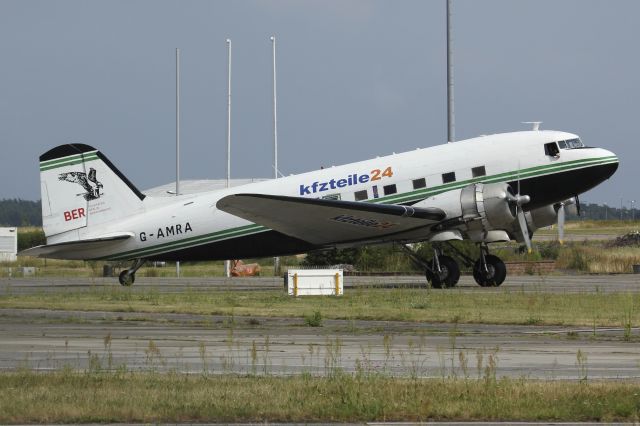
[(633, 213), (451, 124), (227, 263), (177, 136), (276, 260), (620, 208)]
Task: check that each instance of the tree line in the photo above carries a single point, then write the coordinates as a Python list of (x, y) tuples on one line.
[(17, 212)]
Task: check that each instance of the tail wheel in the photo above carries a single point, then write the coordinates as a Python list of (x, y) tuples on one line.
[(495, 273), (449, 273)]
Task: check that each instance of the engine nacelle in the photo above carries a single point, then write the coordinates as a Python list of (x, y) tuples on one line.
[(485, 212), (490, 203), (536, 219), (541, 217)]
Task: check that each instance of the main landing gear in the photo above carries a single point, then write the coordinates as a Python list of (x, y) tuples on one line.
[(443, 271), (128, 276), (489, 270)]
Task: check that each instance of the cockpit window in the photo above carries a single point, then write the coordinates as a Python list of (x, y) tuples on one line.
[(551, 149), (571, 144)]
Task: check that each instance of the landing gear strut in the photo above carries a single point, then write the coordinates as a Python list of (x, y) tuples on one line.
[(489, 270), (442, 271), (128, 276)]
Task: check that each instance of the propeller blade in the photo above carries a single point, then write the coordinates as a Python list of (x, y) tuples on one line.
[(578, 205), (522, 221), (561, 224)]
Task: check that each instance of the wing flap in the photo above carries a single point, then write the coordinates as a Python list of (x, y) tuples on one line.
[(76, 249), (323, 222)]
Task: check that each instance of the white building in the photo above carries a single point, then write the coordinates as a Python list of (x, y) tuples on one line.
[(8, 244)]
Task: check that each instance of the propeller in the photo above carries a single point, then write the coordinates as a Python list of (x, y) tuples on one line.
[(561, 215), (561, 223), (519, 200), (522, 220)]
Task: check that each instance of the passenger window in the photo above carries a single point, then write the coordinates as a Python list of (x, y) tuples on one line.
[(478, 171), (375, 191), (449, 177), (361, 195), (389, 189), (419, 183), (551, 149)]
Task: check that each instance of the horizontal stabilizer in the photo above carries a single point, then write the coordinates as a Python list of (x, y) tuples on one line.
[(325, 222), (76, 249)]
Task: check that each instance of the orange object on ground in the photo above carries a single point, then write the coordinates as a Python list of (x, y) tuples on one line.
[(240, 269)]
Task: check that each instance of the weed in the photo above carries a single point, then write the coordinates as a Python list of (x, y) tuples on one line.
[(626, 325), (202, 350), (581, 362), (313, 320)]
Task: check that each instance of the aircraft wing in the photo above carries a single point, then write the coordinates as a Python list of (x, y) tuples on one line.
[(75, 249), (322, 222)]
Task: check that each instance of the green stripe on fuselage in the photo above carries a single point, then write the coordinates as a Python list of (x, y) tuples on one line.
[(190, 242), (406, 197)]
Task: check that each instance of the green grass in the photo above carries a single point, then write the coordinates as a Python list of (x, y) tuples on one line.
[(417, 305), (608, 227), (68, 397), (89, 269)]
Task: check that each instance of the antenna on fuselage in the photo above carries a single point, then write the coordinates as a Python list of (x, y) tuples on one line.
[(535, 125)]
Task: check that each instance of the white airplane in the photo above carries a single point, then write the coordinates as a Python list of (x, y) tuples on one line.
[(487, 189)]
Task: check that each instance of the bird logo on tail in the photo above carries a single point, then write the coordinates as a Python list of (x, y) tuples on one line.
[(88, 182)]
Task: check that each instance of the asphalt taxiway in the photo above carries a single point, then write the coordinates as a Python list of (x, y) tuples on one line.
[(524, 283), (46, 340)]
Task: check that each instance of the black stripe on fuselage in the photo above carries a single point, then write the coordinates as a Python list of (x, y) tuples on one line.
[(263, 244), (556, 187)]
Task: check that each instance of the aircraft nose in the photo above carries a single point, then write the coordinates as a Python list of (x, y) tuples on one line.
[(608, 163)]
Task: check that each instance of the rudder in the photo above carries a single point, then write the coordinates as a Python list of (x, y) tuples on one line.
[(80, 187)]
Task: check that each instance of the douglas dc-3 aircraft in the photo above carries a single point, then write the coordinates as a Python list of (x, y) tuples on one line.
[(486, 189)]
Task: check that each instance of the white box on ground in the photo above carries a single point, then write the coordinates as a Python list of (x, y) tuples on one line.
[(314, 282), (8, 244)]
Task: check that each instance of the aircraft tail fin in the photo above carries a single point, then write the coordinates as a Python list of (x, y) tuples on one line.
[(80, 188)]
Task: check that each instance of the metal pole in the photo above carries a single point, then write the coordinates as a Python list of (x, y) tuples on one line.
[(177, 136), (228, 112), (620, 208), (276, 260), (227, 263), (275, 110), (451, 124)]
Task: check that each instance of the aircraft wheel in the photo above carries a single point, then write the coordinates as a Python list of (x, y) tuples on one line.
[(430, 280), (495, 274), (449, 274), (126, 279)]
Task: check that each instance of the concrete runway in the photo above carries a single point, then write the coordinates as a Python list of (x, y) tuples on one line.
[(526, 283), (45, 340)]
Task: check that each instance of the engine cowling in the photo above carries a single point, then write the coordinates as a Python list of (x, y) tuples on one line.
[(485, 212), (490, 203), (536, 219)]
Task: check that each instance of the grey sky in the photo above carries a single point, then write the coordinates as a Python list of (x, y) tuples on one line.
[(356, 79)]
